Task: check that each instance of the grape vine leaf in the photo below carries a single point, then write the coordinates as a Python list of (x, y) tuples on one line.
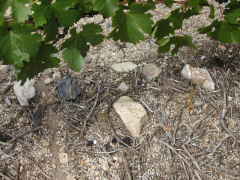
[(76, 46), (61, 10), (173, 21), (51, 29), (222, 31), (127, 24), (232, 12), (20, 11), (106, 7), (164, 44), (163, 29), (18, 44), (43, 60), (168, 3)]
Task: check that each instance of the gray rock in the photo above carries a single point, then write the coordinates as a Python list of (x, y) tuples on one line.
[(68, 89), (151, 71), (132, 114), (124, 67)]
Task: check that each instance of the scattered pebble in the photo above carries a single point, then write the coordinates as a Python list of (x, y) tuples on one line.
[(7, 101), (63, 158), (123, 87), (48, 81), (70, 177), (124, 67)]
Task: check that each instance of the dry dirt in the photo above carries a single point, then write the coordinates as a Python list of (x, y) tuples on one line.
[(186, 137)]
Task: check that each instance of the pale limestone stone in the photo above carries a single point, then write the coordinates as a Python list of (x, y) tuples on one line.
[(132, 114), (3, 68), (70, 177), (63, 157), (151, 71), (199, 76), (48, 80), (123, 87), (124, 67), (25, 92)]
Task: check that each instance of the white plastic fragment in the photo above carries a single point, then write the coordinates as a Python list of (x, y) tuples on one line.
[(24, 93), (199, 76)]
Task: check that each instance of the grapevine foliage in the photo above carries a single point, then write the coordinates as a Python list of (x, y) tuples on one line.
[(30, 28)]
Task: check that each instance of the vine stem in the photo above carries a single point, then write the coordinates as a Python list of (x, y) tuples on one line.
[(220, 9)]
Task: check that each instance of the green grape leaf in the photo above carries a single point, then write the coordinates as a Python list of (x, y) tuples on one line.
[(20, 11), (222, 31), (51, 29), (164, 44), (163, 29), (61, 10), (65, 17), (41, 12), (130, 1), (168, 3), (173, 21), (232, 12), (76, 46), (17, 45), (43, 60), (127, 24), (106, 7), (3, 7)]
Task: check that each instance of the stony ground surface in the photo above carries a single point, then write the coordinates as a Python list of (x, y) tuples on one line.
[(185, 137)]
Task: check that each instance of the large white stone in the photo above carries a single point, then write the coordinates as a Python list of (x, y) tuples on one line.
[(199, 76), (25, 92), (132, 114), (151, 71), (123, 67)]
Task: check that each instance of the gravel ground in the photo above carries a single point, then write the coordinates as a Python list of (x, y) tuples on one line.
[(180, 141)]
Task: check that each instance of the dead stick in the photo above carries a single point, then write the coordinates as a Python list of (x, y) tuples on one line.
[(126, 166), (192, 158), (23, 134), (222, 115)]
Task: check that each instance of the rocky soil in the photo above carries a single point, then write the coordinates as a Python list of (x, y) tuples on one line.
[(191, 133)]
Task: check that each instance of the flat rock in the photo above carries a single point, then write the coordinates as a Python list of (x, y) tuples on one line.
[(24, 93), (124, 67), (199, 76), (68, 89), (132, 114), (151, 71)]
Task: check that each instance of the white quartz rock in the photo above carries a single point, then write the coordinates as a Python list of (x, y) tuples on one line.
[(25, 92), (199, 76)]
